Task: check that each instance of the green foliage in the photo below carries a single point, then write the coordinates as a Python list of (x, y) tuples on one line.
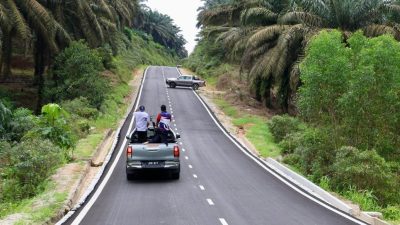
[(25, 166), (23, 121), (81, 107), (365, 170), (76, 73), (392, 212), (106, 56), (364, 198), (281, 126), (354, 90), (5, 117), (52, 125)]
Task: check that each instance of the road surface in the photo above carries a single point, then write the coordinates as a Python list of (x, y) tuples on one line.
[(219, 183)]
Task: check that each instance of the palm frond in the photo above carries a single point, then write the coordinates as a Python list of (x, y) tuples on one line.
[(266, 34), (378, 29), (259, 15), (302, 17)]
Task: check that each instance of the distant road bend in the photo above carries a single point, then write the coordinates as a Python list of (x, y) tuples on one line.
[(220, 183)]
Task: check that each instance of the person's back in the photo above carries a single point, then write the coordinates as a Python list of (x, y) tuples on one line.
[(142, 122), (163, 122)]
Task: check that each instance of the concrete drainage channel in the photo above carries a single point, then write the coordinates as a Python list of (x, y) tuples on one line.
[(368, 217)]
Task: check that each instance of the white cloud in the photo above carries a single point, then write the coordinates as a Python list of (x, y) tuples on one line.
[(184, 14)]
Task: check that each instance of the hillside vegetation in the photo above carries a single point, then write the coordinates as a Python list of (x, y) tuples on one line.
[(64, 73)]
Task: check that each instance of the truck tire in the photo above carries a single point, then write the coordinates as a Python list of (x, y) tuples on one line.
[(172, 85), (130, 176), (175, 176), (195, 86)]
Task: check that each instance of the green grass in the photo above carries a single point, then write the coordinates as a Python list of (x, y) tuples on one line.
[(211, 80), (256, 129), (226, 108)]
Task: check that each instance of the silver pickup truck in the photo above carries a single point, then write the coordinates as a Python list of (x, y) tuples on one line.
[(186, 81), (147, 156)]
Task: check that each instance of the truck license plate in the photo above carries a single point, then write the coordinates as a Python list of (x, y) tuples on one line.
[(152, 164)]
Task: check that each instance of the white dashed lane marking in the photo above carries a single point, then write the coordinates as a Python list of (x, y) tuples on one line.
[(183, 150), (223, 221), (186, 157), (195, 176), (210, 202), (202, 187), (180, 143), (190, 166)]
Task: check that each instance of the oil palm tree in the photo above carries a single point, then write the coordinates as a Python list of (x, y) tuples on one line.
[(270, 36), (12, 24)]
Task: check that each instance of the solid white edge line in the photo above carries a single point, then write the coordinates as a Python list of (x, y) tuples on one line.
[(223, 221), (87, 207), (277, 176), (210, 202)]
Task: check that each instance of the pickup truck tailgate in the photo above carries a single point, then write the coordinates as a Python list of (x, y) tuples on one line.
[(153, 151)]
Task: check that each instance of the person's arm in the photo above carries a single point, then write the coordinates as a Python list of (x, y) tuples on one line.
[(158, 119)]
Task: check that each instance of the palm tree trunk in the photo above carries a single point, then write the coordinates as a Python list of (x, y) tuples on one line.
[(6, 53), (40, 63)]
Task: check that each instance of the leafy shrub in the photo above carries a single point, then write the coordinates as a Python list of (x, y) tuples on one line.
[(81, 107), (364, 198), (22, 122), (365, 170), (25, 166), (76, 73), (5, 118), (290, 142), (392, 212), (354, 89), (106, 55), (316, 153), (281, 126), (52, 125)]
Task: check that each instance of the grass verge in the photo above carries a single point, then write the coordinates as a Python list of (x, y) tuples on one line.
[(255, 128)]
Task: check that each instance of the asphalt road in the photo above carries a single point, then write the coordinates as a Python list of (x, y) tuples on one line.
[(219, 184)]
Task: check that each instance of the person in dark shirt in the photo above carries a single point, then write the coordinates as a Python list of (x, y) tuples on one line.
[(163, 124)]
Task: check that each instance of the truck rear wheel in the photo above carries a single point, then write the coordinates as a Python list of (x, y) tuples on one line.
[(175, 176), (172, 85), (195, 86), (130, 176)]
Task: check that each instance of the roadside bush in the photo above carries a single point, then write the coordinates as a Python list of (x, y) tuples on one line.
[(392, 212), (26, 166), (81, 107), (22, 122), (106, 54), (76, 73), (281, 126), (5, 118), (290, 142), (315, 152), (52, 125), (365, 170)]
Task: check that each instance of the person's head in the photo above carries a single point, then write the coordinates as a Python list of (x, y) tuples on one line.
[(163, 108), (141, 108)]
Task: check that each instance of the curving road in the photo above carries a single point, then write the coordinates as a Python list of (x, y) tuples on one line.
[(219, 184)]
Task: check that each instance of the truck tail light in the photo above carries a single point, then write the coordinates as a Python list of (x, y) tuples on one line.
[(176, 151), (129, 152)]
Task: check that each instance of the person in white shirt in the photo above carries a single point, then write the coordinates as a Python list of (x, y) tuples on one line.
[(142, 122)]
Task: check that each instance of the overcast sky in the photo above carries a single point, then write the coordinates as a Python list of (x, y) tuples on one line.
[(184, 14)]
